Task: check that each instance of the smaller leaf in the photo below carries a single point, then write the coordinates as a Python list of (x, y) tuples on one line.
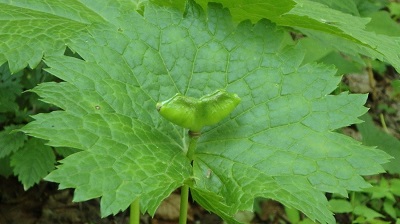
[(380, 191), (366, 212), (373, 136), (64, 151), (5, 167), (394, 8), (382, 23), (10, 88), (395, 186), (340, 206), (292, 214), (396, 87), (388, 207), (33, 162), (10, 141)]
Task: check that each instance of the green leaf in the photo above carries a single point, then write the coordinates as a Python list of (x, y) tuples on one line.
[(293, 215), (5, 167), (395, 186), (11, 141), (31, 29), (33, 162), (10, 88), (317, 51), (368, 213), (380, 190), (213, 202), (382, 23), (320, 22), (394, 8), (347, 6), (278, 143), (367, 7), (388, 207), (373, 136), (64, 152), (28, 45), (340, 206), (396, 87)]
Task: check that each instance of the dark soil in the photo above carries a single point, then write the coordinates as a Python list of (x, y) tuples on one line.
[(45, 204)]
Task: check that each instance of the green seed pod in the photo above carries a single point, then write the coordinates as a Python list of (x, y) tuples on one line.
[(179, 110), (194, 114)]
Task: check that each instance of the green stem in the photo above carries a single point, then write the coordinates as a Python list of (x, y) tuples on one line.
[(194, 136), (135, 212), (184, 204), (383, 123)]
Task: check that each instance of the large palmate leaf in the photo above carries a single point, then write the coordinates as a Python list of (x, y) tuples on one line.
[(31, 29), (318, 19), (45, 27), (278, 143)]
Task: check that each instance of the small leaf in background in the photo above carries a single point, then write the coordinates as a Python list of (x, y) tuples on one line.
[(64, 152), (33, 162), (347, 6), (395, 186), (394, 8), (388, 207), (365, 8), (379, 67), (340, 206), (373, 136), (380, 190), (382, 23), (396, 87), (366, 212), (317, 51), (5, 167), (293, 215), (10, 88), (11, 141)]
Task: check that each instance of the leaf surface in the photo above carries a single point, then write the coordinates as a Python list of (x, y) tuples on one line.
[(278, 143), (10, 88), (32, 29), (11, 141), (320, 20), (373, 136), (33, 162)]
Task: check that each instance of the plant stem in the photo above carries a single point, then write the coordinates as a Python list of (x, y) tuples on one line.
[(383, 123), (194, 136), (135, 212), (184, 204)]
